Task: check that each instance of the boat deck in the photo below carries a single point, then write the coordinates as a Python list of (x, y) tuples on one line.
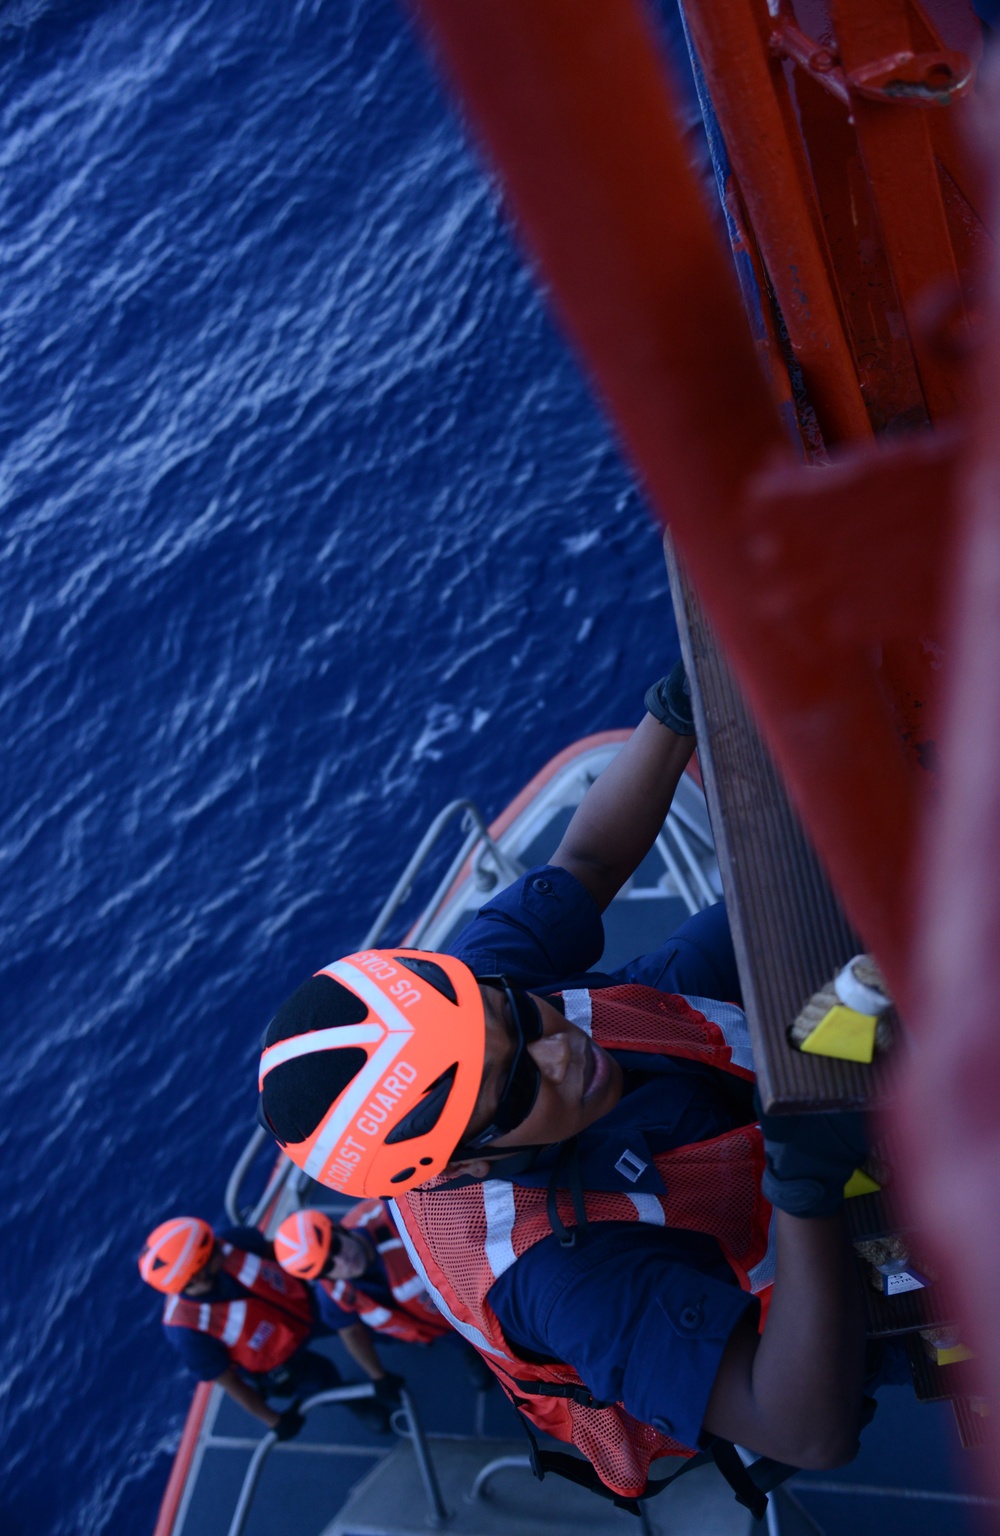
[(909, 1479), (338, 1478)]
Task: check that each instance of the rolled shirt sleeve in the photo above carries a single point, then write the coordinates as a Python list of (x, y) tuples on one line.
[(642, 1316), (543, 930)]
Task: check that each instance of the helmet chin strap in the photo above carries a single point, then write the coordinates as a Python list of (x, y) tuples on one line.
[(567, 1166)]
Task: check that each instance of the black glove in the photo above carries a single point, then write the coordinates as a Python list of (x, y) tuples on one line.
[(290, 1423), (669, 701), (809, 1160), (387, 1390)]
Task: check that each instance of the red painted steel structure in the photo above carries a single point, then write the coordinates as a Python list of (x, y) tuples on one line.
[(826, 582), (574, 107)]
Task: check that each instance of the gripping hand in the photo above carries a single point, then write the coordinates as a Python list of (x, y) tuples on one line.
[(809, 1160), (669, 701), (290, 1423), (388, 1388)]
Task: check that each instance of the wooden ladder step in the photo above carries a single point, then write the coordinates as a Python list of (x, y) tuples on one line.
[(790, 933)]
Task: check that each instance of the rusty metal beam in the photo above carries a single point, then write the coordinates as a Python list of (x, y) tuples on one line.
[(894, 137), (750, 98), (572, 105)]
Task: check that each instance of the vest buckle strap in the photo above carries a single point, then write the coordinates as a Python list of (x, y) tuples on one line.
[(575, 1393)]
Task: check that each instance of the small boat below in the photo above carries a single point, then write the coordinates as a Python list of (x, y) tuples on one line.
[(458, 1459)]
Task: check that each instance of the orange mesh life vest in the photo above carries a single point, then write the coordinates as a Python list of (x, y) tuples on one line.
[(462, 1239), (414, 1319), (261, 1331)]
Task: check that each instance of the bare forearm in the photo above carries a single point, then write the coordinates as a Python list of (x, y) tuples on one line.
[(809, 1366), (619, 818), (795, 1393), (360, 1345), (248, 1397)]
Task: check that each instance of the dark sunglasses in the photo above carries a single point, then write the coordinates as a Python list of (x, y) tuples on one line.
[(333, 1253), (519, 1092)]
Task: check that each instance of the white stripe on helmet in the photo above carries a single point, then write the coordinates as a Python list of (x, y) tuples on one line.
[(185, 1253), (334, 1039), (398, 1031)]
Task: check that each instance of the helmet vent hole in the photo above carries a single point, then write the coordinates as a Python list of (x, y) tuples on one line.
[(428, 970), (425, 1115), (320, 1003), (297, 1094), (406, 1173)]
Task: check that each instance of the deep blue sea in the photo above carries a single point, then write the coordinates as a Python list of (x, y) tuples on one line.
[(309, 525)]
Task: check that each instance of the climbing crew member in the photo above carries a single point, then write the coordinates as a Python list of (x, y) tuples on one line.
[(365, 1284), (363, 1281), (236, 1318), (575, 1162)]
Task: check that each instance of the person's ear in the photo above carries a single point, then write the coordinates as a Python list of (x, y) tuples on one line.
[(469, 1168)]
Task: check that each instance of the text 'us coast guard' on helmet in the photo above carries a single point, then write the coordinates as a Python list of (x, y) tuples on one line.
[(371, 1070), (174, 1252)]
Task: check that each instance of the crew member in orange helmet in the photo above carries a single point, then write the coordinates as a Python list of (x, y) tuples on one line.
[(236, 1318), (366, 1286), (576, 1164)]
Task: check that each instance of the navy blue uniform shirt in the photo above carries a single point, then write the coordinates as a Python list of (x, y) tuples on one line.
[(642, 1313), (204, 1356)]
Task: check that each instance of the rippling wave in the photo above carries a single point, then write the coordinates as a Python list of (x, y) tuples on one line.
[(309, 525)]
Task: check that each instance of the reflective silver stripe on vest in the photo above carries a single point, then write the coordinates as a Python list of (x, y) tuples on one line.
[(648, 1209), (236, 1317), (467, 1330), (393, 1242), (409, 1288), (498, 1203), (762, 1274), (576, 1006), (249, 1270), (733, 1023), (170, 1307), (376, 1317)]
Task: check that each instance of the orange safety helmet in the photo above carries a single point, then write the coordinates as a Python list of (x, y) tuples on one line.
[(175, 1251), (371, 1070), (302, 1243)]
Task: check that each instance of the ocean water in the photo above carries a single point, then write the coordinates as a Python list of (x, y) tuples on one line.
[(309, 525)]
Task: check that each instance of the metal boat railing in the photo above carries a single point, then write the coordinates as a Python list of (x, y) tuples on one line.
[(504, 869), (244, 1163), (437, 1513), (474, 825)]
